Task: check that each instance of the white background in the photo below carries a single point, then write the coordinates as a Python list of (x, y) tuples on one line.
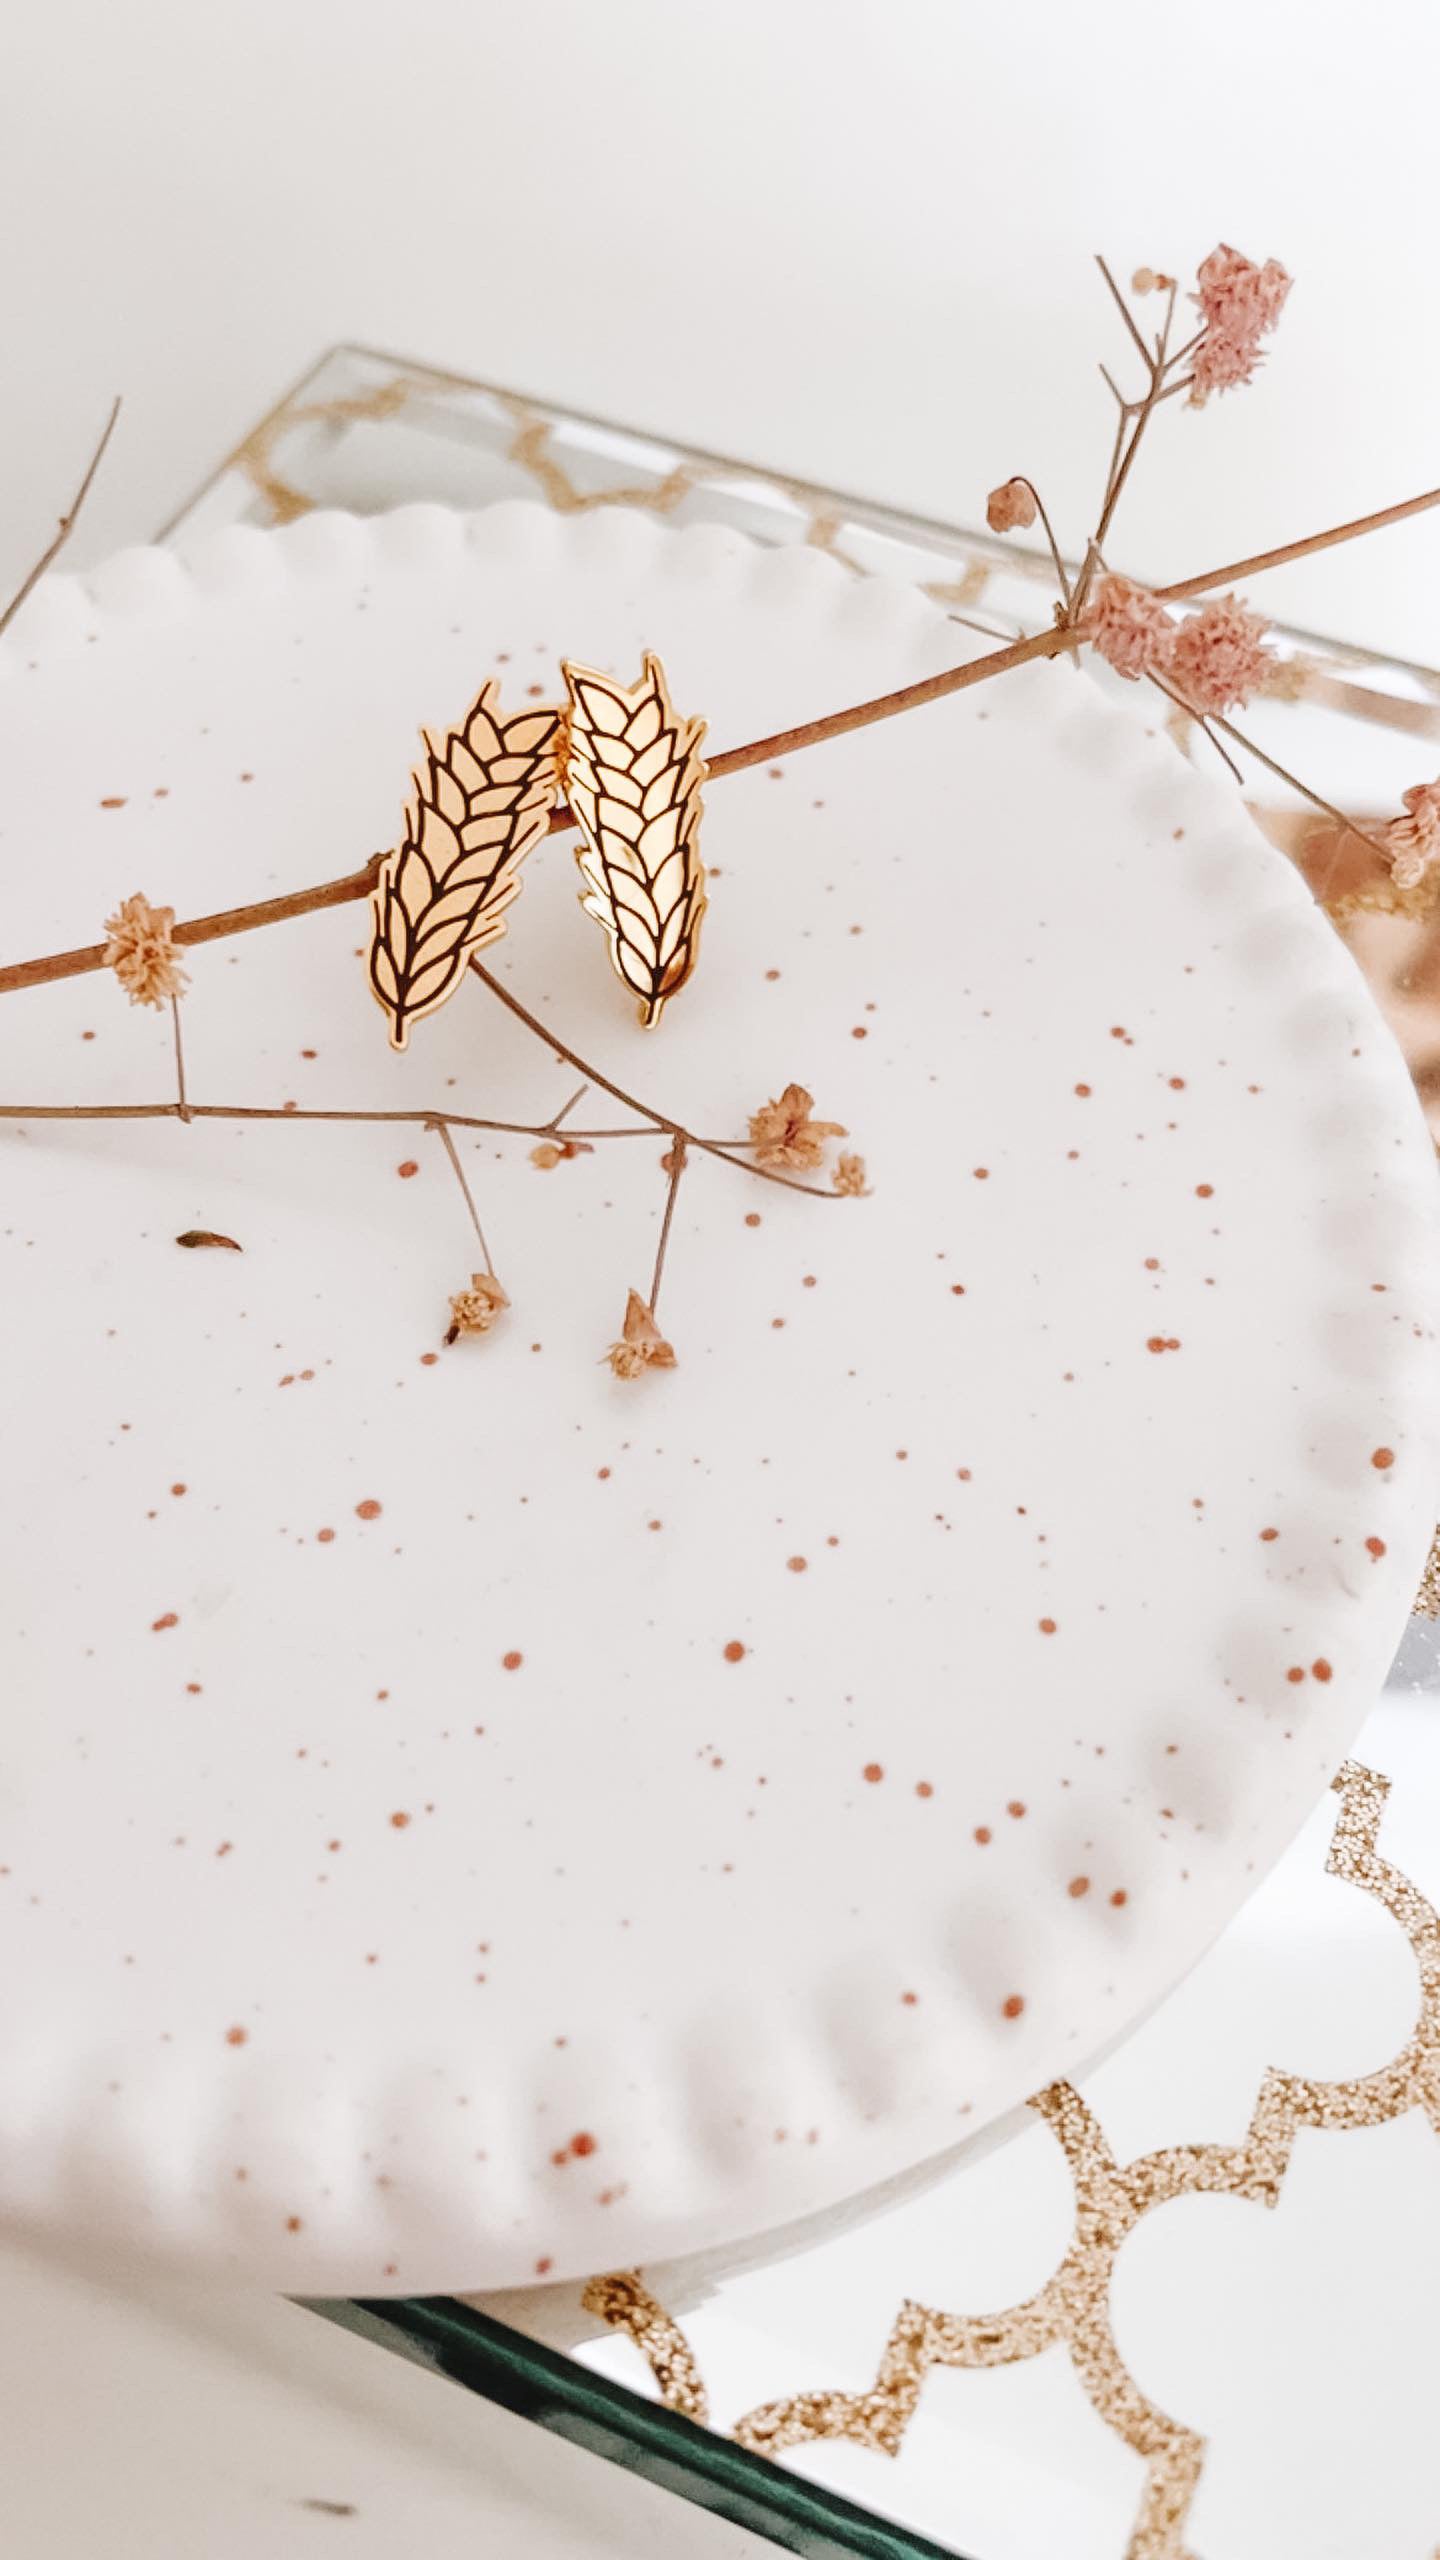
[(848, 236)]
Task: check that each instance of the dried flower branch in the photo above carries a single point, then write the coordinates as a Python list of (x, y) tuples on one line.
[(1239, 304)]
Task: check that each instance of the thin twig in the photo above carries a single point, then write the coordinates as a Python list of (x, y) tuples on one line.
[(1059, 564), (1282, 774), (1126, 314), (66, 526), (657, 1119), (1200, 718), (448, 1143), (679, 1152), (181, 1107)]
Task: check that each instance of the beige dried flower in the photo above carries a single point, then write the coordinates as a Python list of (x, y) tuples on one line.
[(642, 1345), (1413, 841), (849, 1177), (141, 951), (1009, 506), (547, 1155), (476, 1309), (784, 1135)]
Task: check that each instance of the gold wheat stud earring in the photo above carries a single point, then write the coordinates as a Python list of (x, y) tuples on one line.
[(483, 797), (632, 777)]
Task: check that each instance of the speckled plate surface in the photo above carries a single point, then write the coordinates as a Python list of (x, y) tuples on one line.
[(465, 1818)]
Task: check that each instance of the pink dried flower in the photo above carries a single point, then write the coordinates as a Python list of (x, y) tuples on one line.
[(1012, 504), (1130, 628), (1412, 842), (1216, 658), (1239, 304)]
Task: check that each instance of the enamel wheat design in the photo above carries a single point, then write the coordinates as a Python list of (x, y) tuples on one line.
[(632, 777), (483, 797)]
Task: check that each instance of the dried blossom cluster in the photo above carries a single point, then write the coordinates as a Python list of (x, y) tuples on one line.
[(140, 948), (1413, 841), (1239, 304), (478, 1308), (642, 1345), (785, 1135), (1215, 660)]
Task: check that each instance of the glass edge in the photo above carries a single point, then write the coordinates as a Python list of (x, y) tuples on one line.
[(640, 2435)]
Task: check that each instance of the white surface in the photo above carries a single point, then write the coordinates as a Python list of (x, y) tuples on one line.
[(753, 1928), (152, 2422), (855, 242)]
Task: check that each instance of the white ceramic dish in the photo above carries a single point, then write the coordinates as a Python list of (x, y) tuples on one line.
[(647, 1895)]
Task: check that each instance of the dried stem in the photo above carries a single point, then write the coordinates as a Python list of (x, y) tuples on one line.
[(182, 1110), (657, 1119), (679, 1156), (447, 1142), (66, 526)]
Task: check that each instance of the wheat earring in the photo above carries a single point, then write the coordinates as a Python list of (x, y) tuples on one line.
[(632, 775), (482, 800)]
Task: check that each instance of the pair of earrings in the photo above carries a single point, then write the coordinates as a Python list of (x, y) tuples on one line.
[(484, 795)]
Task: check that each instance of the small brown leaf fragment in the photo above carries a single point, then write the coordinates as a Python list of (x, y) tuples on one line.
[(194, 1236)]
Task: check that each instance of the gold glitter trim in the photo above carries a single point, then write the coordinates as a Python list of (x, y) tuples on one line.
[(1072, 2309), (1427, 1598), (529, 450), (253, 457), (622, 2302)]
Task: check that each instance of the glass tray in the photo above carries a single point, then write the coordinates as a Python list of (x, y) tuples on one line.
[(983, 2473)]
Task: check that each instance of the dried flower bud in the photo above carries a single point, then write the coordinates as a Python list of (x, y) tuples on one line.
[(547, 1155), (476, 1309), (1239, 304), (785, 1137), (642, 1345), (141, 951), (1009, 506), (1413, 841), (1128, 626), (1144, 280), (849, 1177), (1216, 658)]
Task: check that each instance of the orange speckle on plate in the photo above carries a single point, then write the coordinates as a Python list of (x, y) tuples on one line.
[(923, 1787), (511, 1661), (872, 1773), (1382, 1458), (734, 1650), (752, 1217), (1204, 1190), (428, 1359), (1267, 1534), (1015, 1809), (159, 1625), (1322, 1670), (1013, 2007), (407, 1169), (1119, 1898), (543, 2266), (293, 2222), (324, 1536), (113, 803), (367, 1510), (583, 2144), (178, 1488), (1047, 1626), (237, 2035), (797, 1564), (1083, 1091), (1295, 1673), (399, 1821), (1375, 1547), (909, 1999), (982, 1173), (983, 1834), (1078, 1887)]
